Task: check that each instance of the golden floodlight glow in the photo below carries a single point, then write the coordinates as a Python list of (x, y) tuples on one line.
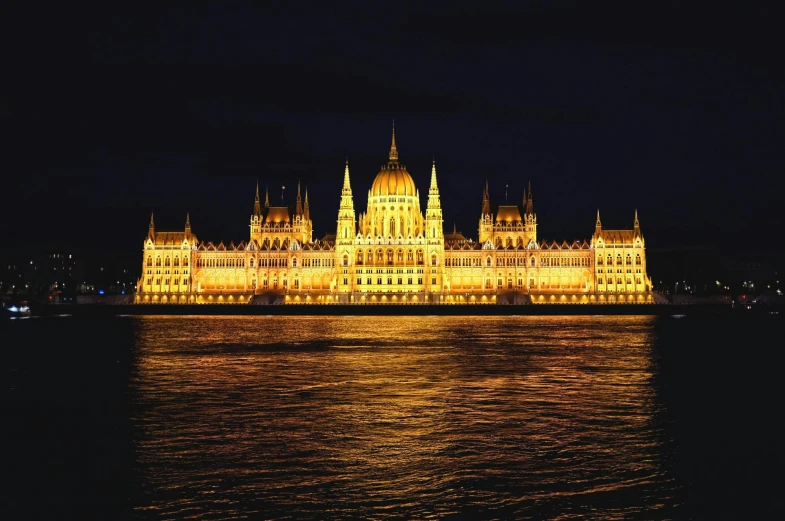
[(394, 252)]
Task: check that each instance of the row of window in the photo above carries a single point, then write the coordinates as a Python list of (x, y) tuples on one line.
[(618, 280), (174, 282), (167, 261), (627, 260)]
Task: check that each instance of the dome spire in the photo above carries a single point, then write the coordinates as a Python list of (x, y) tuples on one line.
[(393, 148)]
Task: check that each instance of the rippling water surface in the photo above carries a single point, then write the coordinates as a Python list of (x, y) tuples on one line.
[(359, 418)]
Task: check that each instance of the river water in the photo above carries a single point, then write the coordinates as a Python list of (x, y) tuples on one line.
[(552, 417)]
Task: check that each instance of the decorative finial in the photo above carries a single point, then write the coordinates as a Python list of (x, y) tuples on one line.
[(187, 219), (393, 148), (598, 217), (152, 222), (257, 188), (266, 197)]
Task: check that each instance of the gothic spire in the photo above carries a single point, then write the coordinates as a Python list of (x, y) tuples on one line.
[(486, 200), (393, 148), (151, 231), (187, 225), (266, 197), (256, 209), (299, 208), (529, 201), (347, 189), (307, 210), (433, 177), (433, 192)]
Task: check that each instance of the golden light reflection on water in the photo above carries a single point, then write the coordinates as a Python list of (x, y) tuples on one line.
[(399, 417)]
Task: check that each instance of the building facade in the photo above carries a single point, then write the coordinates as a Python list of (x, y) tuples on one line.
[(394, 253)]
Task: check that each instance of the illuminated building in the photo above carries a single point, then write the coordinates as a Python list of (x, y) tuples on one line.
[(394, 253)]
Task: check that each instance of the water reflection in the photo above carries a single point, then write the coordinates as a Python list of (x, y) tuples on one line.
[(399, 417)]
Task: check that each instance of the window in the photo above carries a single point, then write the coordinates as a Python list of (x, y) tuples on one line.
[(638, 259), (532, 261), (599, 281), (400, 280), (433, 280), (149, 261), (410, 280), (599, 260), (389, 280), (419, 280), (359, 256), (433, 260), (345, 281), (294, 262), (488, 261), (185, 281), (158, 262), (378, 280), (345, 261), (167, 262)]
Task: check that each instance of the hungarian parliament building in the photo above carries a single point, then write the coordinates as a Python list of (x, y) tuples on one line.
[(394, 253)]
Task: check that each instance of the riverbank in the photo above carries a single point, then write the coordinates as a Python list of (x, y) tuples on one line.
[(98, 310)]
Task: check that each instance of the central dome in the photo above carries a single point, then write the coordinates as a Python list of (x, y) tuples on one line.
[(393, 179)]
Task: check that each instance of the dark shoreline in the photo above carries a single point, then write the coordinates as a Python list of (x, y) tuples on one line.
[(106, 310)]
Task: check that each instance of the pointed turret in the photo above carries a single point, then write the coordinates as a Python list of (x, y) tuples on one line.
[(524, 200), (151, 229), (187, 225), (257, 210), (636, 226), (598, 224), (434, 223), (393, 148), (298, 210), (266, 197), (529, 201), (346, 221), (433, 191), (347, 187), (307, 211), (486, 201)]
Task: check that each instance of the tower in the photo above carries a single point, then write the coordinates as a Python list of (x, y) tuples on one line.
[(486, 218), (433, 213), (530, 218), (257, 218), (346, 223)]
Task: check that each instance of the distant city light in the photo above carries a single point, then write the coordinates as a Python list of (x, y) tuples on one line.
[(100, 292)]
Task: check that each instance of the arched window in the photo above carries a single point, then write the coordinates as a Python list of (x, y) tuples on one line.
[(158, 262), (410, 256), (419, 256), (294, 262), (370, 256), (345, 260), (433, 260), (185, 261), (399, 255), (379, 255), (359, 256), (638, 259), (149, 261), (599, 260), (167, 262), (250, 262), (488, 261), (532, 261), (389, 256), (392, 226), (618, 259), (176, 262), (628, 260)]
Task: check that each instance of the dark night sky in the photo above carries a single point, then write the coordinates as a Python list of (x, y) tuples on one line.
[(675, 111)]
